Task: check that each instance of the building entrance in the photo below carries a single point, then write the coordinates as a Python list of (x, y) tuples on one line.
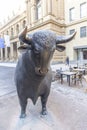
[(85, 55)]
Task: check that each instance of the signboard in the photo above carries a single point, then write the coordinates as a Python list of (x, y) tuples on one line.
[(7, 40), (2, 45)]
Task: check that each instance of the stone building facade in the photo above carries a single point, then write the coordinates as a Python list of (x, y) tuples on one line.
[(12, 29), (39, 14), (76, 20), (62, 16)]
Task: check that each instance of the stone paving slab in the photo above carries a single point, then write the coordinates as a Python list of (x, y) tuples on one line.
[(67, 109), (9, 117)]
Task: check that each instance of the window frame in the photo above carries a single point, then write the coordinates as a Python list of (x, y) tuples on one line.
[(71, 31), (81, 11), (72, 14), (83, 31)]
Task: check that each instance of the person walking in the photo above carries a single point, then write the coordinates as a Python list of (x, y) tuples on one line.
[(67, 60)]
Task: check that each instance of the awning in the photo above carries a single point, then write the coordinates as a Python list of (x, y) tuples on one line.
[(80, 47)]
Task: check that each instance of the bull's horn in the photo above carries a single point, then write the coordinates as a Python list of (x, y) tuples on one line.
[(64, 39), (23, 38)]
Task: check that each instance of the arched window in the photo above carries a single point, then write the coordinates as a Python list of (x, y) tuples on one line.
[(38, 9)]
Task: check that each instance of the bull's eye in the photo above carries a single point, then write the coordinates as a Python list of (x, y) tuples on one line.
[(53, 50), (36, 51)]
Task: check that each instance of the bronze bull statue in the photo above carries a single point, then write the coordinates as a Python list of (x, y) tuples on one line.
[(33, 73)]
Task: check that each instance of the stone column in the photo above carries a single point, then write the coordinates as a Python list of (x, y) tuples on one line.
[(11, 52), (28, 12), (33, 11), (60, 9), (18, 53), (81, 57), (2, 56), (44, 7), (6, 53), (49, 6)]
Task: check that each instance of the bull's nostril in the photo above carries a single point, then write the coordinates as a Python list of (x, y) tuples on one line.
[(43, 72), (39, 71)]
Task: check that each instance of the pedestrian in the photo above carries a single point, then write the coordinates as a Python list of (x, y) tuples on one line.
[(67, 60)]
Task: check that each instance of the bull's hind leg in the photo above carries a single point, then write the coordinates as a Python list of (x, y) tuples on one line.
[(23, 104), (44, 101)]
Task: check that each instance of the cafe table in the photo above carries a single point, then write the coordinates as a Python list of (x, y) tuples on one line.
[(68, 74)]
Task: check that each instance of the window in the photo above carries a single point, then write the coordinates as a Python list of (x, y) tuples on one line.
[(83, 31), (72, 31), (38, 12), (83, 10), (72, 14)]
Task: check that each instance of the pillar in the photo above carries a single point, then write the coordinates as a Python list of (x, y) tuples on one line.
[(44, 7), (6, 53), (33, 11), (60, 9), (81, 55), (11, 52), (28, 12), (2, 55), (18, 53), (49, 6)]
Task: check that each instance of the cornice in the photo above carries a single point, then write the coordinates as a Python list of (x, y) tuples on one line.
[(16, 18), (76, 22), (38, 25)]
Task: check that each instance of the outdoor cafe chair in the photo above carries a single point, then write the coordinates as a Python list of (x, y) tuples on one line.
[(58, 74), (78, 78)]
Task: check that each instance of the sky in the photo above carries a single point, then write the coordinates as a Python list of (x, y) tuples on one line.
[(8, 6)]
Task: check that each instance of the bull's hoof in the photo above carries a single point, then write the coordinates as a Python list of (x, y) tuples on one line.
[(44, 112), (23, 115)]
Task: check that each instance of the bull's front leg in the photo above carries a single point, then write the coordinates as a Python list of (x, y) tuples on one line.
[(23, 104), (44, 101)]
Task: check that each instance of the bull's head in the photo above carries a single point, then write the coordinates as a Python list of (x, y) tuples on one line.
[(43, 44)]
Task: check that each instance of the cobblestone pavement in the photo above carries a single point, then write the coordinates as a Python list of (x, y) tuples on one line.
[(67, 107), (7, 81)]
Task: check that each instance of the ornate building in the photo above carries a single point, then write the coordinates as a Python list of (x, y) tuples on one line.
[(76, 20), (12, 29), (60, 16), (39, 14)]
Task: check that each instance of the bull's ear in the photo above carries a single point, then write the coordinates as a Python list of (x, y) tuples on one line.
[(60, 48), (24, 47)]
